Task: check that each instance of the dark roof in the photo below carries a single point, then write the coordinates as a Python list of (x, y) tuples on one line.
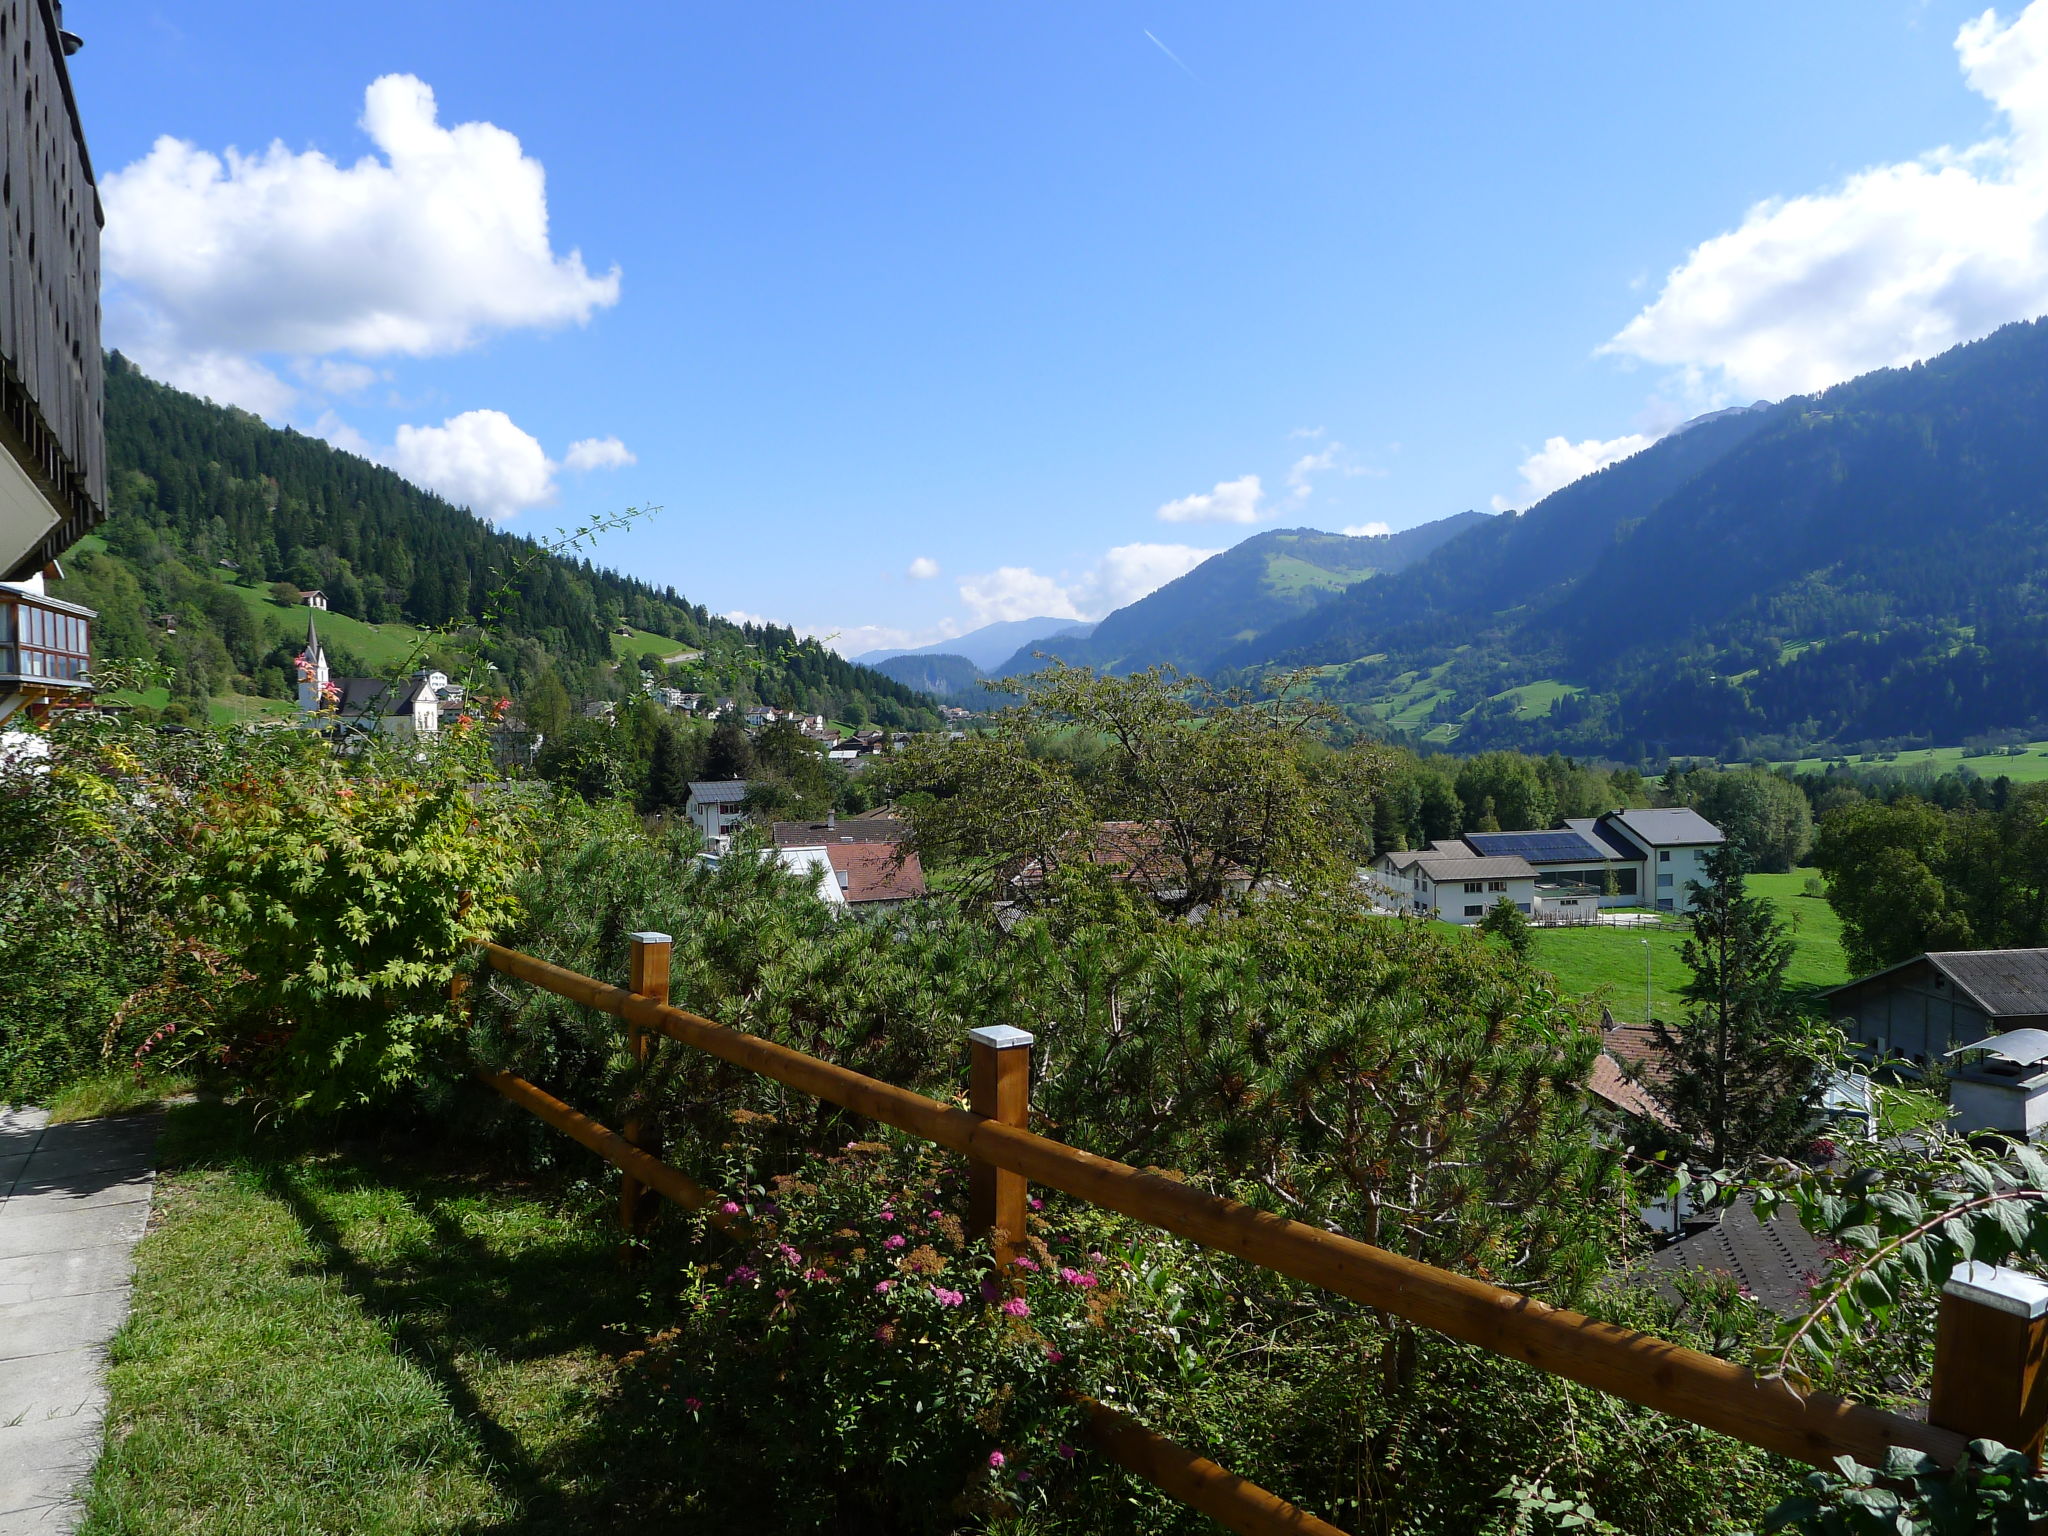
[(1776, 1261), (1595, 830), (719, 792), (376, 696), (1678, 827), (1553, 847), (875, 872), (2005, 983), (1448, 866), (852, 829)]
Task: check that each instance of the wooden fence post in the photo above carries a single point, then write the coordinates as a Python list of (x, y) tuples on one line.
[(647, 975), (1989, 1347), (999, 1089)]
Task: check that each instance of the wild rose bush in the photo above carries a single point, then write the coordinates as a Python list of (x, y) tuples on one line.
[(844, 1340)]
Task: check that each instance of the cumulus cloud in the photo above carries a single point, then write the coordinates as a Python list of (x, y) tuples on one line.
[(1232, 501), (1896, 264), (1121, 576), (334, 376), (481, 459), (435, 241), (1560, 461), (1367, 531), (923, 568), (1301, 476), (598, 453)]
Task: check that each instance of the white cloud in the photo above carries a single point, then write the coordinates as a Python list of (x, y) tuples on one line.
[(598, 453), (1300, 478), (345, 437), (1560, 461), (1367, 531), (480, 459), (1015, 592), (1232, 501), (423, 248), (334, 376), (1897, 263), (923, 568), (1306, 432), (1121, 576)]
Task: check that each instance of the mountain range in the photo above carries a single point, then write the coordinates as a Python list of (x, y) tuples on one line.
[(986, 646)]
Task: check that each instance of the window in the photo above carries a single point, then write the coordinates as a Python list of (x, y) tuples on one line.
[(1474, 887), (1664, 882), (1496, 885), (1663, 855), (1663, 903), (1523, 905), (1474, 911)]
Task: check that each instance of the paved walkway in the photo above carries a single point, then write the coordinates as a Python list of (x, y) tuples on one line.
[(73, 1201)]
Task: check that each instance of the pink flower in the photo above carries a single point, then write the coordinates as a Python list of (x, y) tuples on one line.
[(1094, 1257), (692, 1404), (790, 1256), (1080, 1277), (1035, 1203), (946, 1298), (814, 1274), (740, 1274), (895, 1240), (731, 1208), (1053, 1356), (938, 1215), (1029, 1266), (783, 1295), (886, 1216), (997, 1458), (1016, 1306), (1066, 1451), (884, 1287)]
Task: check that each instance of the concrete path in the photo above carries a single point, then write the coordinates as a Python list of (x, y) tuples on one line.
[(73, 1201)]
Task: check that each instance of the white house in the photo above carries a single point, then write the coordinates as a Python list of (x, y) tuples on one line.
[(1455, 885), (314, 600), (1621, 859), (406, 709), (714, 809)]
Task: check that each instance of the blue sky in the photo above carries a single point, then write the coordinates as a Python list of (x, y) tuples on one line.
[(916, 316)]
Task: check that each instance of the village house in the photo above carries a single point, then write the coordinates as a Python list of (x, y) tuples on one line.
[(1933, 1004), (854, 829), (407, 709), (714, 809), (850, 876), (1566, 872), (314, 600)]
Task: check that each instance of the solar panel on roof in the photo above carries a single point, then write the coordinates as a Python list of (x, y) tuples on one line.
[(1537, 847)]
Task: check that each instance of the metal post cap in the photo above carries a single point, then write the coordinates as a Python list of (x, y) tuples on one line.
[(1000, 1037), (2004, 1290), (650, 938)]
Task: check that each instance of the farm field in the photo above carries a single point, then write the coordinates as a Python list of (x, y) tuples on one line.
[(2032, 768), (1608, 962)]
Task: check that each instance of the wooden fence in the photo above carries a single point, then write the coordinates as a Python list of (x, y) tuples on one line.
[(1990, 1348)]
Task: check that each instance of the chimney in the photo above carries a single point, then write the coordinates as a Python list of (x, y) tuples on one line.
[(832, 820)]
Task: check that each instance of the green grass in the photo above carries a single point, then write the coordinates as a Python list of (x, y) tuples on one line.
[(116, 1092), (351, 1342), (2030, 769), (381, 647), (1290, 573), (1607, 963), (1533, 700), (642, 643)]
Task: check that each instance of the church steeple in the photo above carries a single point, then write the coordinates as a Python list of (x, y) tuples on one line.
[(312, 671)]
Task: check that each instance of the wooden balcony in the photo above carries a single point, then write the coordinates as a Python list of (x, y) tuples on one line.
[(53, 469)]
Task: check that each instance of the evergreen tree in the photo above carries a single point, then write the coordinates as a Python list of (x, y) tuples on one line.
[(731, 754), (1736, 1088), (667, 780), (1504, 920)]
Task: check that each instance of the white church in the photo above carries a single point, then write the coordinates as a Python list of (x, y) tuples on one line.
[(407, 709)]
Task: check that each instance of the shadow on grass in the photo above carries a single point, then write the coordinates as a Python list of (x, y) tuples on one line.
[(462, 1310)]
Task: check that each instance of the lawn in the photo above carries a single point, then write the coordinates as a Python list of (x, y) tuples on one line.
[(1608, 962), (367, 1341)]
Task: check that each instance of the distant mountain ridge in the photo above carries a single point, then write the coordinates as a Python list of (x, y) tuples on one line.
[(1861, 566), (986, 646), (1240, 594)]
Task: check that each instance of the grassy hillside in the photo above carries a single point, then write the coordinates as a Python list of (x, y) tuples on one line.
[(2028, 767)]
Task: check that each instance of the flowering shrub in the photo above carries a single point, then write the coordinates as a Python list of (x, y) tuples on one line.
[(842, 1338)]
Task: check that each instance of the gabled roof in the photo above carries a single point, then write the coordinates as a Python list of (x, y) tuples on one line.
[(851, 829), (1677, 827), (719, 792), (1448, 866), (875, 872), (2005, 983), (361, 696)]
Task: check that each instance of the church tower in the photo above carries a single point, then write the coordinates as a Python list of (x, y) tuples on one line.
[(312, 671)]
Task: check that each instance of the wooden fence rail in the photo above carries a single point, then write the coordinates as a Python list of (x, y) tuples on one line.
[(1813, 1427)]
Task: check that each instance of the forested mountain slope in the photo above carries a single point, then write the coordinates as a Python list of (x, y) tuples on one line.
[(210, 506), (1860, 566), (1240, 594)]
